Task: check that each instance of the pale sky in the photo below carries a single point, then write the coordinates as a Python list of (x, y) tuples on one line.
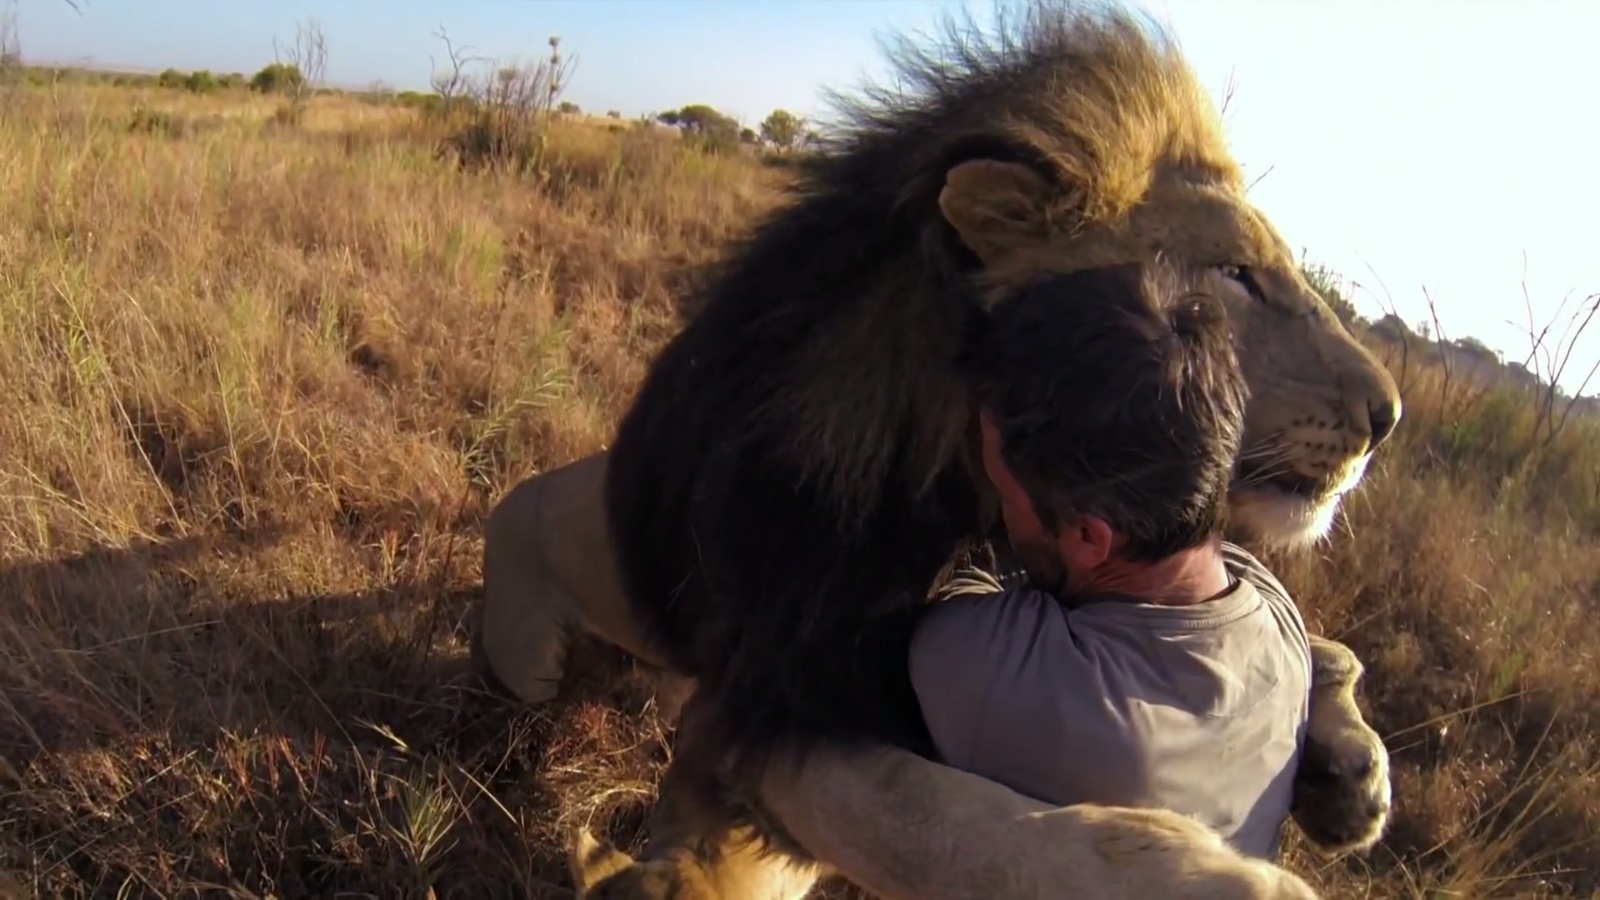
[(1436, 144)]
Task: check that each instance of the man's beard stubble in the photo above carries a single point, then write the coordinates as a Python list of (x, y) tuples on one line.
[(1042, 561)]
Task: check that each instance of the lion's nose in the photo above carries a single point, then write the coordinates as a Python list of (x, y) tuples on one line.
[(1382, 415), (1371, 395)]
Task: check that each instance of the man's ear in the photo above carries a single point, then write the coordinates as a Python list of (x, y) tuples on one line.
[(1087, 542), (997, 208)]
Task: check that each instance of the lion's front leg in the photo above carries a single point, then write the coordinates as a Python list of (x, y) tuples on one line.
[(905, 827), (1341, 789)]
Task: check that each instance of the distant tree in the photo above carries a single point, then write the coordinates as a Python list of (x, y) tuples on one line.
[(701, 119), (201, 82), (1477, 348), (277, 78), (568, 108), (1393, 327), (10, 41), (171, 78), (748, 136), (307, 56), (417, 99), (782, 129), (705, 127)]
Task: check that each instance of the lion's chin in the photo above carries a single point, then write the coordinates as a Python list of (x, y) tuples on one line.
[(1279, 518), (1291, 512)]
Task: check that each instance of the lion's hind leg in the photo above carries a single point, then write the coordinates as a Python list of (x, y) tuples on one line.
[(549, 576), (703, 870), (697, 847), (527, 619)]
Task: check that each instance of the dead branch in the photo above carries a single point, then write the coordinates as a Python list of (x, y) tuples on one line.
[(1441, 341), (1386, 303), (308, 55)]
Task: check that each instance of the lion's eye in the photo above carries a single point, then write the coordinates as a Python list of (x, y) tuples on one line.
[(1241, 276)]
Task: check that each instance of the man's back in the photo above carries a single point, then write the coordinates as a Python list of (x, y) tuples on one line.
[(1200, 708)]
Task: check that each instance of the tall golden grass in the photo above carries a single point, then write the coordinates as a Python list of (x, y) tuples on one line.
[(260, 382)]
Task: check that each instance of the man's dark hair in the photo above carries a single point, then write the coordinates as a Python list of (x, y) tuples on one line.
[(1116, 393)]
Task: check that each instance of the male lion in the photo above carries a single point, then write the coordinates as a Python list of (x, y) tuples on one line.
[(798, 467)]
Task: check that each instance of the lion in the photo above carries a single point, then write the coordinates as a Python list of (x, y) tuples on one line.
[(798, 466)]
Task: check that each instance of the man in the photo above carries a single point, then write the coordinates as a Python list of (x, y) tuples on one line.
[(1148, 664)]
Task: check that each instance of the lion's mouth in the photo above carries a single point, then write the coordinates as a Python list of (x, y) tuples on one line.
[(1286, 507), (1256, 478)]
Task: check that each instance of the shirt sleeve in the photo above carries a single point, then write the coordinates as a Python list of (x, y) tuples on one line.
[(1008, 692), (953, 663)]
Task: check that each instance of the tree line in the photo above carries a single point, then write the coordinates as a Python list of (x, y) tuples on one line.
[(781, 129)]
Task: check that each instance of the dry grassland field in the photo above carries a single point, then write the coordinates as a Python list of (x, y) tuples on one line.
[(264, 372)]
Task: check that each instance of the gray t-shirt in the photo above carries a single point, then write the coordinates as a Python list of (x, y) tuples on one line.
[(1199, 709)]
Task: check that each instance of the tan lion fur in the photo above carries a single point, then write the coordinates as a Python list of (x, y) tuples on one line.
[(1081, 140), (1343, 785), (599, 871), (549, 574), (948, 835)]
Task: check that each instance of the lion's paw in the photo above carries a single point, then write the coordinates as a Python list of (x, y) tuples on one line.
[(1341, 789)]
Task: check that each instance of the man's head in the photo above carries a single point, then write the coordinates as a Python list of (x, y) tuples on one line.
[(1112, 407)]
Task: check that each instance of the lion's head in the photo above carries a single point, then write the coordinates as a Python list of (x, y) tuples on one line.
[(1082, 139), (1320, 403)]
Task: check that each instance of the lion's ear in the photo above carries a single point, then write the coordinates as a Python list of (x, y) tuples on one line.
[(996, 207)]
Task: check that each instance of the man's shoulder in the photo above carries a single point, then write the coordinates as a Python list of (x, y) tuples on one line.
[(1016, 634), (973, 623), (1244, 565)]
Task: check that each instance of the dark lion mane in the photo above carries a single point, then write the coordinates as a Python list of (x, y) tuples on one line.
[(793, 473)]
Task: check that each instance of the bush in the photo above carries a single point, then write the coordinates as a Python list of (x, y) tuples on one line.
[(277, 78), (154, 121), (500, 116), (201, 82)]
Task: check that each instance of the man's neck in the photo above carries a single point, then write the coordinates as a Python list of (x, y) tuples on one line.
[(1182, 579)]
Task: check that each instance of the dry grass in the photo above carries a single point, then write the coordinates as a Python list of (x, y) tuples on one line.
[(262, 383)]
